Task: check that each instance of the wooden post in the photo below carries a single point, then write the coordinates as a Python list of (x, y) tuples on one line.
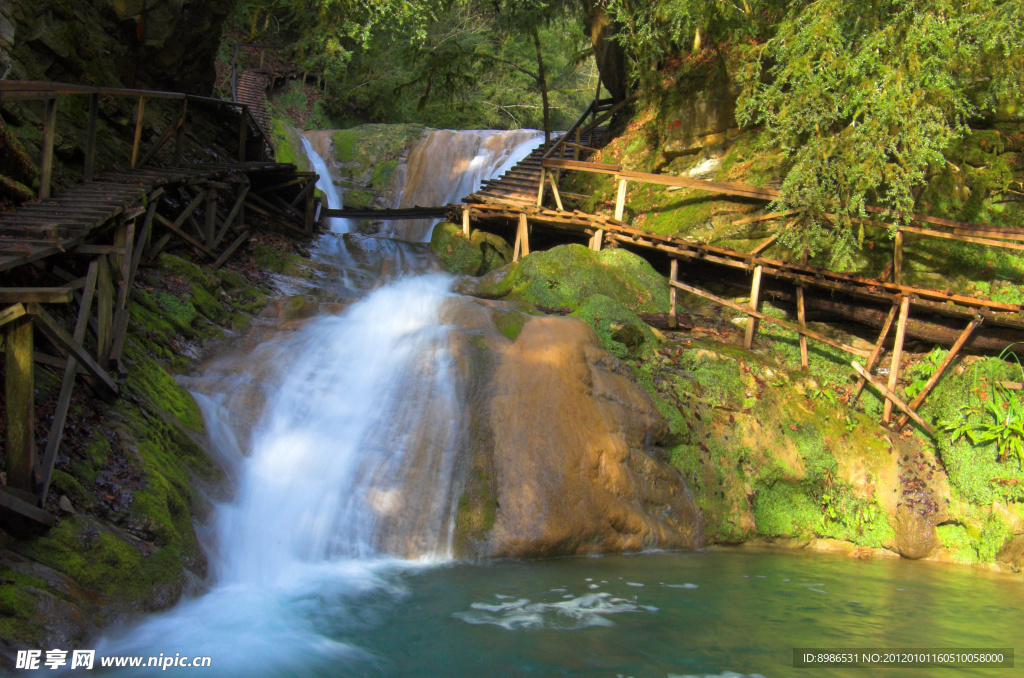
[(755, 294), (465, 220), (310, 215), (522, 246), (20, 393), (243, 133), (576, 149), (934, 379), (211, 216), (673, 276), (49, 133), (897, 262), (891, 398), (104, 313), (138, 130), (90, 138), (554, 189), (801, 315), (876, 354), (180, 133), (620, 200), (897, 355), (540, 188), (597, 240)]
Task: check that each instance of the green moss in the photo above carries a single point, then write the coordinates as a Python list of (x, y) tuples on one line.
[(622, 332), (567, 275), (457, 253), (276, 261), (287, 144), (383, 175), (359, 199), (152, 382), (509, 323)]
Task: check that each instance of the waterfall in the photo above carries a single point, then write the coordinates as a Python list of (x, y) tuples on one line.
[(446, 166), (342, 440), (326, 184)]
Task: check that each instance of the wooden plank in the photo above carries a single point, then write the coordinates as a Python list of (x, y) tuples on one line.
[(179, 134), (581, 166), (465, 221), (68, 383), (597, 240), (897, 354), (104, 312), (56, 333), (891, 398), (934, 379), (19, 389), (17, 505), (767, 217), (139, 116), (540, 189), (876, 353), (49, 134), (764, 245), (231, 249), (307, 190), (775, 321), (755, 300), (964, 238), (90, 137), (43, 295)]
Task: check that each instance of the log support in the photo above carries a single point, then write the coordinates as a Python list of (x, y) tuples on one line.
[(597, 240), (876, 354), (522, 246), (897, 356), (139, 118), (620, 200), (465, 220), (673, 277), (49, 134)]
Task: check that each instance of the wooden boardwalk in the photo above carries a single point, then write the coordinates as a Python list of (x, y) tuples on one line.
[(83, 246)]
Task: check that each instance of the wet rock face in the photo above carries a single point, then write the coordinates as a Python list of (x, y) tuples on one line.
[(571, 464), (915, 534), (160, 45)]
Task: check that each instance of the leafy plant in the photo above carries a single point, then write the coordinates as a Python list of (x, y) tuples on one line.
[(924, 370)]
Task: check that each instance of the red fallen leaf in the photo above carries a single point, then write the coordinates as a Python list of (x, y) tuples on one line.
[(792, 427)]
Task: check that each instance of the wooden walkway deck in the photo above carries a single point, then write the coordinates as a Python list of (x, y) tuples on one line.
[(83, 246)]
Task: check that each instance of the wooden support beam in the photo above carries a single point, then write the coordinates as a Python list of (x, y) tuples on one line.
[(309, 220), (522, 246), (90, 137), (891, 398), (897, 354), (179, 134), (12, 313), (236, 210), (775, 321), (897, 260), (243, 133), (164, 138), (140, 245), (767, 217), (801, 316), (308, 189), (19, 389), (18, 505), (765, 245), (68, 384), (104, 312), (755, 300), (540, 188), (210, 232), (185, 236), (231, 249), (554, 189), (597, 240), (673, 276), (620, 200), (49, 134), (934, 379), (465, 220), (60, 338), (139, 117)]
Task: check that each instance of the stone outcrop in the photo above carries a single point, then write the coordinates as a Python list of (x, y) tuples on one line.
[(565, 455), (135, 43)]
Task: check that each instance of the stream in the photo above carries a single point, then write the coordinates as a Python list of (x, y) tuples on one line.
[(340, 434)]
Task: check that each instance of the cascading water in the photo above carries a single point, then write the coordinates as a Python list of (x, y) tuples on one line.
[(326, 184), (342, 440)]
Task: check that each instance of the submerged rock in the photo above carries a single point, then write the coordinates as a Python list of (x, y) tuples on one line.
[(565, 459)]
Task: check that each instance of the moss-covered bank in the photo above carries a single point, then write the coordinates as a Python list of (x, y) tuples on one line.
[(134, 474)]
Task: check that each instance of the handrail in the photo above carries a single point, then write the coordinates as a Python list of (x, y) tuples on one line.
[(34, 90), (572, 130)]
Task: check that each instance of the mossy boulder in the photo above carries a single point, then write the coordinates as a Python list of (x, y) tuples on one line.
[(622, 331), (479, 254), (568, 275), (368, 154), (288, 144)]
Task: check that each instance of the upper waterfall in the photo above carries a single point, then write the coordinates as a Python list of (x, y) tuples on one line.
[(326, 184)]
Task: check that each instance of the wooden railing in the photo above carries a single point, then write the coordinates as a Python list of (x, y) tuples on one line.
[(49, 92)]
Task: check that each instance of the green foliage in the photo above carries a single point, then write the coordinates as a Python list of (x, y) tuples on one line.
[(922, 371), (864, 97), (1002, 424)]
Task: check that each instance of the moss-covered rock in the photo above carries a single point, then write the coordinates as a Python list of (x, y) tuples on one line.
[(458, 254), (567, 275)]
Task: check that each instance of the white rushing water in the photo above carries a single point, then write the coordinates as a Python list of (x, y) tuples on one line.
[(326, 184), (341, 440)]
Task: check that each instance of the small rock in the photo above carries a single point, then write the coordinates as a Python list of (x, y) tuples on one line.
[(65, 505)]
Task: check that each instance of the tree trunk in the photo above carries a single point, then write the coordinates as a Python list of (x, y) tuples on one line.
[(608, 53), (542, 81)]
